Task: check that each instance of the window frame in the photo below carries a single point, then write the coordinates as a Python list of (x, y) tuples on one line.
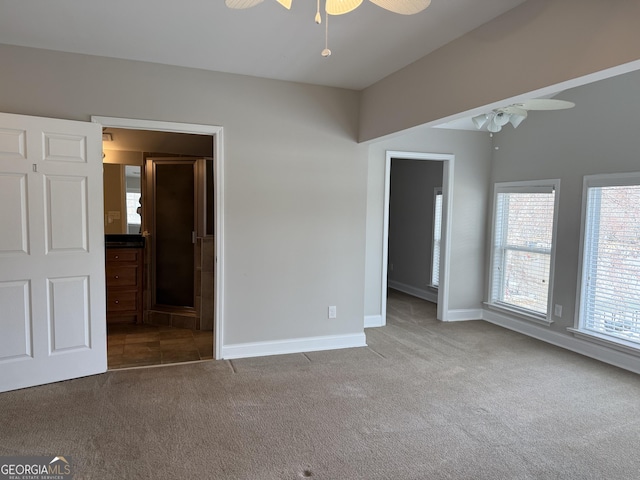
[(527, 186), (591, 181)]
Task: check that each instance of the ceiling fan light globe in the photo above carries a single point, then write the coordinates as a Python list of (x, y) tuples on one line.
[(501, 119), (493, 126), (480, 120), (516, 120)]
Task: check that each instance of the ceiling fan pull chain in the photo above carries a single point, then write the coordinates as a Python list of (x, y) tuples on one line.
[(326, 52), (318, 16)]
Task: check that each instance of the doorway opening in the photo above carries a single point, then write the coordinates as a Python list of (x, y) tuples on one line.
[(424, 266), (180, 219)]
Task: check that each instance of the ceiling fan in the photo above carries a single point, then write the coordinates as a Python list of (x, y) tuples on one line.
[(517, 112), (340, 7)]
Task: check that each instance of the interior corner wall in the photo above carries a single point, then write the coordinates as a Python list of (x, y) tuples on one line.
[(472, 167), (411, 204), (294, 184), (535, 45), (598, 136)]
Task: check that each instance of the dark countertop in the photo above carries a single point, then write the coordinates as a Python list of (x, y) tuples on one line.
[(123, 241)]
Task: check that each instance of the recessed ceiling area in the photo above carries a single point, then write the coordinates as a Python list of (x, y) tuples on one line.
[(266, 41)]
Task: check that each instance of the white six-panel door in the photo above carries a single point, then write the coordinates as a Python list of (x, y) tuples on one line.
[(52, 287)]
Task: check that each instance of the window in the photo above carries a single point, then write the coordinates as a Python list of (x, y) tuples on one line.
[(610, 284), (133, 208), (523, 246), (437, 236)]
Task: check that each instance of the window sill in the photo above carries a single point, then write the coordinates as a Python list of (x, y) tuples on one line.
[(611, 342), (520, 314)]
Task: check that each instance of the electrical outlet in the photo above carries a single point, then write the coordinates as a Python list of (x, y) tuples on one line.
[(333, 313), (557, 311)]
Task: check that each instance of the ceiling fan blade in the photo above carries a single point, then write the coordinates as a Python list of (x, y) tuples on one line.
[(545, 104), (339, 7), (285, 3), (241, 4), (403, 7)]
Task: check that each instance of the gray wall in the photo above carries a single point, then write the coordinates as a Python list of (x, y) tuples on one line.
[(411, 221), (535, 45), (472, 152), (295, 178), (599, 135)]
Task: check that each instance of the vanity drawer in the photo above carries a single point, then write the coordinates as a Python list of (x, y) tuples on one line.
[(122, 301), (122, 275), (122, 255)]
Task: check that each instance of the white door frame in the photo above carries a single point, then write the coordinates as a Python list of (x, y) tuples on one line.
[(445, 243), (216, 133)]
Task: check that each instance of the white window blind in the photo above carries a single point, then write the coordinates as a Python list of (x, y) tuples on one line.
[(522, 248), (133, 202), (610, 294), (437, 236)]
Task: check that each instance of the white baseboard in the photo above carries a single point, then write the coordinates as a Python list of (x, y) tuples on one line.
[(372, 321), (464, 315), (569, 342), (428, 295), (294, 345)]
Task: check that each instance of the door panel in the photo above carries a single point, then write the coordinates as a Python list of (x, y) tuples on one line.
[(69, 313), (52, 284), (15, 341), (66, 213), (65, 148), (12, 143), (13, 213)]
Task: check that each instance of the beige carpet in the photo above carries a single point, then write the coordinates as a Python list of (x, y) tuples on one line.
[(426, 400)]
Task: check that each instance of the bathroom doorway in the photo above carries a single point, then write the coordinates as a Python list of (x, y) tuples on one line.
[(182, 316)]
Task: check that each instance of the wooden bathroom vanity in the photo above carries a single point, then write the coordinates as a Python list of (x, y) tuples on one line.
[(124, 276)]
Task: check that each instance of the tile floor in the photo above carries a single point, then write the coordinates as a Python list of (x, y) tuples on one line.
[(131, 345)]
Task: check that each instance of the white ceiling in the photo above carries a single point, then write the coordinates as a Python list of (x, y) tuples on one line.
[(265, 41)]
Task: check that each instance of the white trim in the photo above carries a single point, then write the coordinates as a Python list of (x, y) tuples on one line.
[(464, 315), (583, 347), (607, 341), (625, 179), (445, 242), (218, 161), (428, 295), (517, 313), (373, 321), (385, 240), (294, 345)]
